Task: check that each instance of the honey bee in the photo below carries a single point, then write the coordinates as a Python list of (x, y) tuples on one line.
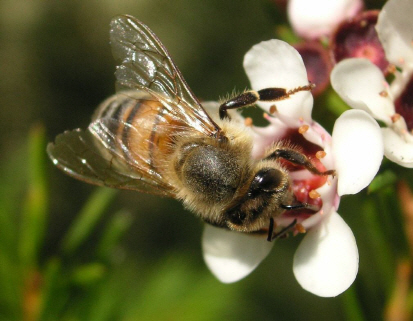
[(154, 136)]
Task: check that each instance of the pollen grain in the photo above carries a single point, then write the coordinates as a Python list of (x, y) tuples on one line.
[(302, 129), (300, 228), (248, 121), (395, 117), (320, 154), (384, 93), (273, 109), (314, 194)]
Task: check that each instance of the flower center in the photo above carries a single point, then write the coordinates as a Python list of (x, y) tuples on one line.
[(358, 38), (367, 51), (304, 188), (404, 104)]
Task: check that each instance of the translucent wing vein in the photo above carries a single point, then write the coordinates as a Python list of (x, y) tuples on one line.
[(146, 64)]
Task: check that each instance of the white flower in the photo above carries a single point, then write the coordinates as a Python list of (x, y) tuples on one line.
[(317, 18), (326, 262), (362, 85)]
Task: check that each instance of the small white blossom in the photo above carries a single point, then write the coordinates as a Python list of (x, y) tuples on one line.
[(317, 18), (326, 262), (362, 85)]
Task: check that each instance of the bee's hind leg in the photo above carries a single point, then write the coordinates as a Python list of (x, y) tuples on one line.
[(250, 97)]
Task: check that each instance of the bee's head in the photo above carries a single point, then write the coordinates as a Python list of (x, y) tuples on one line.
[(268, 190)]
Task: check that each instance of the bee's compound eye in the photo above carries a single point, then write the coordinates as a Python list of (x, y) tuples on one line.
[(267, 179)]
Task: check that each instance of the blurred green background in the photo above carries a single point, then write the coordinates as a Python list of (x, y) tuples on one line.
[(70, 251)]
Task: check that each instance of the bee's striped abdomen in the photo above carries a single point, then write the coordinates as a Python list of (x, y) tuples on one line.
[(144, 130)]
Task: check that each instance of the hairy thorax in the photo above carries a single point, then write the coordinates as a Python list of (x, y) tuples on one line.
[(209, 174)]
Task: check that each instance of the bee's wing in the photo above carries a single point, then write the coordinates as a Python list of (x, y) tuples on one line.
[(80, 154), (99, 155), (145, 64)]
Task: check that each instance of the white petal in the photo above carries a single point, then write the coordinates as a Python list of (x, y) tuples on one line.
[(394, 27), (359, 83), (275, 63), (397, 149), (212, 109), (317, 18), (263, 137), (231, 255), (357, 149), (326, 262)]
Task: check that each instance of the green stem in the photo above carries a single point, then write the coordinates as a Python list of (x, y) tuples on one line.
[(35, 211), (87, 219)]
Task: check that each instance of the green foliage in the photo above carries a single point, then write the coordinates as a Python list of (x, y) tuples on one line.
[(65, 286), (34, 212), (382, 180), (87, 219)]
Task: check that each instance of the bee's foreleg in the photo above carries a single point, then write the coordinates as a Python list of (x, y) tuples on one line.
[(249, 98), (298, 158), (298, 206), (272, 236)]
